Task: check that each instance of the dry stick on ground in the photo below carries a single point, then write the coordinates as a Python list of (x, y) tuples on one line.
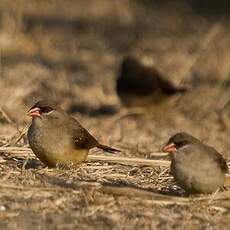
[(10, 121), (5, 115), (129, 161), (22, 151), (16, 151), (19, 137), (137, 192), (7, 118), (160, 198), (158, 154)]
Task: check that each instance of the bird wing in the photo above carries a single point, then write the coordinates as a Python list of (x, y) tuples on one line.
[(81, 138), (218, 158), (202, 153)]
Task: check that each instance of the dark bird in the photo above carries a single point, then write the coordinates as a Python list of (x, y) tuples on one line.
[(57, 138), (139, 85), (196, 167)]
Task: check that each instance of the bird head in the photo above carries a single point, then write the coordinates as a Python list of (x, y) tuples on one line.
[(46, 111), (178, 141), (128, 64)]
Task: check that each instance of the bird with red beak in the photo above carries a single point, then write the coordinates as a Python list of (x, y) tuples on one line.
[(196, 167), (57, 138)]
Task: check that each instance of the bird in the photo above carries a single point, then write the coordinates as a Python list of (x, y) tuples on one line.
[(196, 167), (57, 138), (139, 85)]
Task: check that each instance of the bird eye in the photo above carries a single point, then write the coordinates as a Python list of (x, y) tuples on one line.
[(181, 144), (46, 109)]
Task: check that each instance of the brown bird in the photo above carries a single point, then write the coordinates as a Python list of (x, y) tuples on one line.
[(196, 167), (57, 138), (139, 85)]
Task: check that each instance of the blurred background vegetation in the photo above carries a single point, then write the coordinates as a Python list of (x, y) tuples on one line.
[(71, 51)]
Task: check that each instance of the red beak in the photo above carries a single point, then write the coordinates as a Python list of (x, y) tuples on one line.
[(170, 148), (35, 112)]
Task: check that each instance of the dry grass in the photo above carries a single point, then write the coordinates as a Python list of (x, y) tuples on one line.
[(71, 52)]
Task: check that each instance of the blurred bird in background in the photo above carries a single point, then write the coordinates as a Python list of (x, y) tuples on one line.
[(140, 86)]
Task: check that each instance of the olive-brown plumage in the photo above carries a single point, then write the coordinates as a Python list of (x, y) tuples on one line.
[(196, 167), (57, 138), (140, 85)]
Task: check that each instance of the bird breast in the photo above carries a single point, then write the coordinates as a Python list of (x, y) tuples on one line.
[(48, 141)]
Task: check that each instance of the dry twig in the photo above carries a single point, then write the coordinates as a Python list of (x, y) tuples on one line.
[(22, 151), (18, 137), (5, 116), (160, 198), (129, 160)]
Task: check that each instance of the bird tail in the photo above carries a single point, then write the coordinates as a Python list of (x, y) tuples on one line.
[(227, 181), (107, 148), (170, 89)]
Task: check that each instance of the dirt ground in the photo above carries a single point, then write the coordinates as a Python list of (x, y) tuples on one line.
[(70, 51)]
